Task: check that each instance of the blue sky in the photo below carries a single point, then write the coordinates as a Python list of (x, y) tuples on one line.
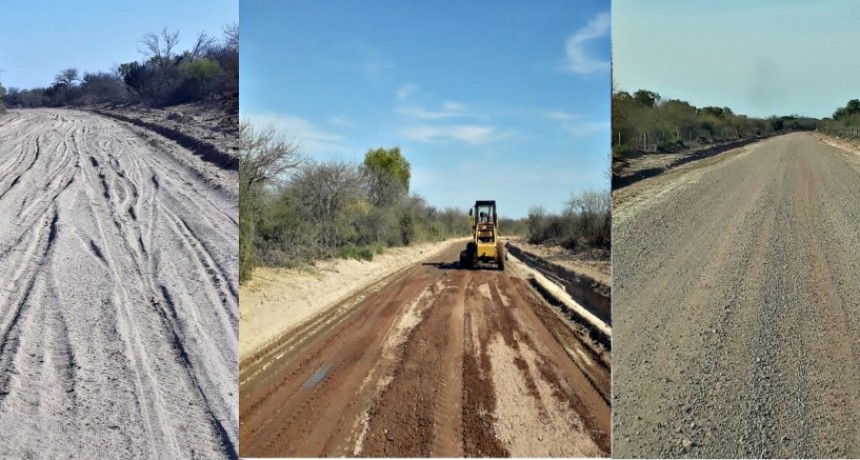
[(38, 38), (762, 58), (488, 100)]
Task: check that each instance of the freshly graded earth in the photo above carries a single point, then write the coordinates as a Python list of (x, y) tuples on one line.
[(438, 361), (737, 306), (118, 306)]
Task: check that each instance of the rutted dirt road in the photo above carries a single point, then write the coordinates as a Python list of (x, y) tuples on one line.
[(440, 361), (118, 307), (737, 307)]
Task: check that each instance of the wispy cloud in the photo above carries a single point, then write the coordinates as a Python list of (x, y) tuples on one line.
[(405, 90), (448, 110), (312, 138), (578, 60), (472, 134), (448, 121), (577, 125), (363, 59), (341, 121), (453, 106)]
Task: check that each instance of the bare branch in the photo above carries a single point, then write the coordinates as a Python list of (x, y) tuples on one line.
[(202, 45), (265, 156), (231, 35), (159, 45)]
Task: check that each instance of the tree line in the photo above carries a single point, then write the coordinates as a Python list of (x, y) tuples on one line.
[(295, 210), (645, 122), (585, 223), (165, 77), (845, 121)]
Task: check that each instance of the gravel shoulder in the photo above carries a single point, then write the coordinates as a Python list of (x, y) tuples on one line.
[(736, 306), (119, 312)]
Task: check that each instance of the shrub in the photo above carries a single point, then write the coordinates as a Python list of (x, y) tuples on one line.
[(351, 251)]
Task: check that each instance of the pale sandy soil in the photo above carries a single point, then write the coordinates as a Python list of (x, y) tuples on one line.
[(118, 307), (278, 299)]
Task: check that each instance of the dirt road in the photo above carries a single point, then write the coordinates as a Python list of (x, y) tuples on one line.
[(439, 361), (118, 307), (737, 309)]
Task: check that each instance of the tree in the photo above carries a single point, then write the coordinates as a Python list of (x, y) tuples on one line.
[(67, 77), (264, 158), (231, 36), (851, 108), (646, 98), (102, 87), (202, 45), (323, 195), (387, 175), (159, 46)]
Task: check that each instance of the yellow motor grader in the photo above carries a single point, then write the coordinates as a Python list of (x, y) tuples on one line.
[(486, 245)]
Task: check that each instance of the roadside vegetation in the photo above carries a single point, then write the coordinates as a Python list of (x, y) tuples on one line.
[(166, 76), (845, 121), (645, 122), (294, 210), (584, 224)]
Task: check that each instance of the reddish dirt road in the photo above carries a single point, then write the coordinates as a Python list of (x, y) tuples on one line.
[(438, 362)]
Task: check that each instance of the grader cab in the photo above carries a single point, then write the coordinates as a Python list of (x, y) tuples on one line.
[(486, 245)]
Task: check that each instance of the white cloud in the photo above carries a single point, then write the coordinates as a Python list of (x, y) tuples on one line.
[(575, 124), (472, 134), (312, 138), (453, 106), (341, 121), (415, 111), (562, 116), (451, 122), (405, 90), (578, 60), (586, 128), (362, 59)]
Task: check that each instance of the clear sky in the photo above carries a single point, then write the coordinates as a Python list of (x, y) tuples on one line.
[(39, 38), (761, 58), (503, 100)]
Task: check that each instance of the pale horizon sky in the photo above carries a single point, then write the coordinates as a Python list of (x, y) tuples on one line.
[(487, 100), (39, 38), (763, 58)]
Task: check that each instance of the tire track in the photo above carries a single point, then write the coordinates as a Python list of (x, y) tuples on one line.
[(442, 361), (736, 298), (119, 318)]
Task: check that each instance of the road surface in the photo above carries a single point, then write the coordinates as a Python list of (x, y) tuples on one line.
[(737, 308), (118, 306), (439, 361)]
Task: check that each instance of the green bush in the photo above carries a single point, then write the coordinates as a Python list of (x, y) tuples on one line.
[(198, 78), (351, 251)]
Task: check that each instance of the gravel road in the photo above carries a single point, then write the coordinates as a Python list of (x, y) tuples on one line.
[(737, 307), (118, 301), (436, 362)]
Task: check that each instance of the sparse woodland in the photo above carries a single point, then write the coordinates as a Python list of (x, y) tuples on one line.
[(845, 121), (166, 76), (644, 122), (294, 210), (584, 224)]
